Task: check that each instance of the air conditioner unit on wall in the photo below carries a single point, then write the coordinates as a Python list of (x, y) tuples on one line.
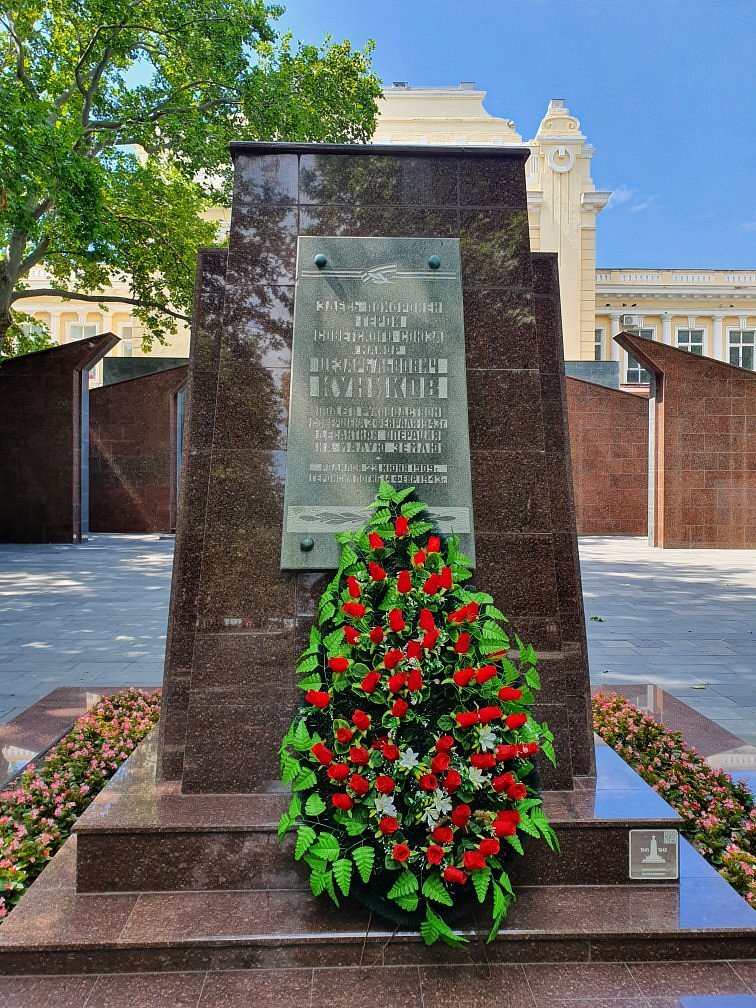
[(630, 322)]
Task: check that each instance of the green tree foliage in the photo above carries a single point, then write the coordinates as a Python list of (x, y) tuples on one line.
[(115, 117)]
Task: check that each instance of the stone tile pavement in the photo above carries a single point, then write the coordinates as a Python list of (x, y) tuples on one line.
[(684, 620), (82, 615), (96, 613)]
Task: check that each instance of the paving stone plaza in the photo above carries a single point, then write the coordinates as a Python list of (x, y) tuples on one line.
[(96, 614)]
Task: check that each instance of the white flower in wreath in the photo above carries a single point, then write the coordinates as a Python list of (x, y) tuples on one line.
[(408, 759), (487, 738), (384, 805), (476, 777), (442, 803)]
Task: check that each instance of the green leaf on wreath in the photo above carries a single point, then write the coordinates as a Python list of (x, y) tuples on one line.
[(319, 882), (493, 613), (315, 638), (435, 890), (527, 826), (342, 872), (514, 841), (326, 613), (434, 928), (506, 883), (305, 839), (481, 880), (412, 508), (420, 528), (532, 678), (332, 640), (304, 780), (310, 682), (308, 664), (295, 806), (406, 883), (386, 491), (407, 902), (403, 494), (301, 739), (314, 805), (289, 769), (327, 847), (364, 858), (284, 825)]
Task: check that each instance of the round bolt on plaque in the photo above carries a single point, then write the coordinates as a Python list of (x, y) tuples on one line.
[(434, 262), (307, 544), (320, 262)]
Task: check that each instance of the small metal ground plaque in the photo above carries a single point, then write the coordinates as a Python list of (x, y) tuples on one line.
[(654, 854), (378, 389)]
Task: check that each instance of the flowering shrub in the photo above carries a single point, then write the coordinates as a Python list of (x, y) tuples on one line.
[(410, 758), (38, 811), (718, 813)]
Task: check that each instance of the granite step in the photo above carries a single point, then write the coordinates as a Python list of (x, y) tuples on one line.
[(141, 835), (56, 930)]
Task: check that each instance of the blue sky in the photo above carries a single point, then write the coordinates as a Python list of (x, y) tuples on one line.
[(664, 89)]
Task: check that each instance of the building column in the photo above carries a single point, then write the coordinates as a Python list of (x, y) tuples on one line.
[(56, 330), (717, 346), (616, 329), (666, 318)]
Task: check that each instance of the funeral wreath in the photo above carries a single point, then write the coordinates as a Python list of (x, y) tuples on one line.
[(411, 758)]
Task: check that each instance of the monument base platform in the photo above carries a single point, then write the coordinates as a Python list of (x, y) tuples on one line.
[(211, 889)]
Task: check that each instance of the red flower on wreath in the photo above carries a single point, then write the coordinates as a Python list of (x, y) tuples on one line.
[(466, 719), (392, 658), (517, 792), (489, 846), (399, 708), (384, 784), (452, 781), (514, 721), (430, 638), (443, 834), (431, 585), (352, 636), (376, 635), (370, 682), (338, 664), (322, 754), (461, 815), (318, 698), (359, 784), (396, 620), (390, 752), (509, 693), (445, 578), (506, 752), (374, 541), (401, 526), (361, 720), (342, 801), (353, 586), (488, 714), (485, 673), (463, 643), (388, 825), (464, 677), (355, 609), (338, 771), (414, 649), (434, 854), (425, 620), (483, 761), (404, 582), (440, 762), (419, 559), (428, 782), (503, 782), (433, 544), (397, 682), (473, 860), (377, 573), (445, 743), (401, 853), (344, 735), (452, 874), (415, 680), (359, 755)]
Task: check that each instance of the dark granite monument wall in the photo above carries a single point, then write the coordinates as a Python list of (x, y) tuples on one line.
[(40, 441), (132, 453), (237, 622), (703, 423), (609, 449)]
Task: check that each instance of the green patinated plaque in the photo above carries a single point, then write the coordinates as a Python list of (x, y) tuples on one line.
[(378, 389)]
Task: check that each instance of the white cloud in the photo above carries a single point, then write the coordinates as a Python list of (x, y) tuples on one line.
[(632, 200), (749, 225)]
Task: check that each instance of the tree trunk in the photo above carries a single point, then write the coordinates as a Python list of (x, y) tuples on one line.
[(6, 290)]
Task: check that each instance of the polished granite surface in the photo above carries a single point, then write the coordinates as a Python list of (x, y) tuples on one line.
[(716, 744)]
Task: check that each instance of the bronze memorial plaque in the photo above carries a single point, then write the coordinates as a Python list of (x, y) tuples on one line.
[(654, 854), (378, 389)]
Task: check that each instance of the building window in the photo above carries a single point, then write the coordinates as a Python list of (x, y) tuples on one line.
[(77, 332), (742, 348), (127, 342), (598, 344), (691, 340), (636, 374)]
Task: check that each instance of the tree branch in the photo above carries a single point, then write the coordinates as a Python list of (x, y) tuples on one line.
[(18, 295), (21, 74)]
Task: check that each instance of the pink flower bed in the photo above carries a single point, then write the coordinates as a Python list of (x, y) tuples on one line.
[(39, 809), (717, 812)]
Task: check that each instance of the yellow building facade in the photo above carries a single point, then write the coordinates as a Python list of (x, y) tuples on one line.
[(705, 311)]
